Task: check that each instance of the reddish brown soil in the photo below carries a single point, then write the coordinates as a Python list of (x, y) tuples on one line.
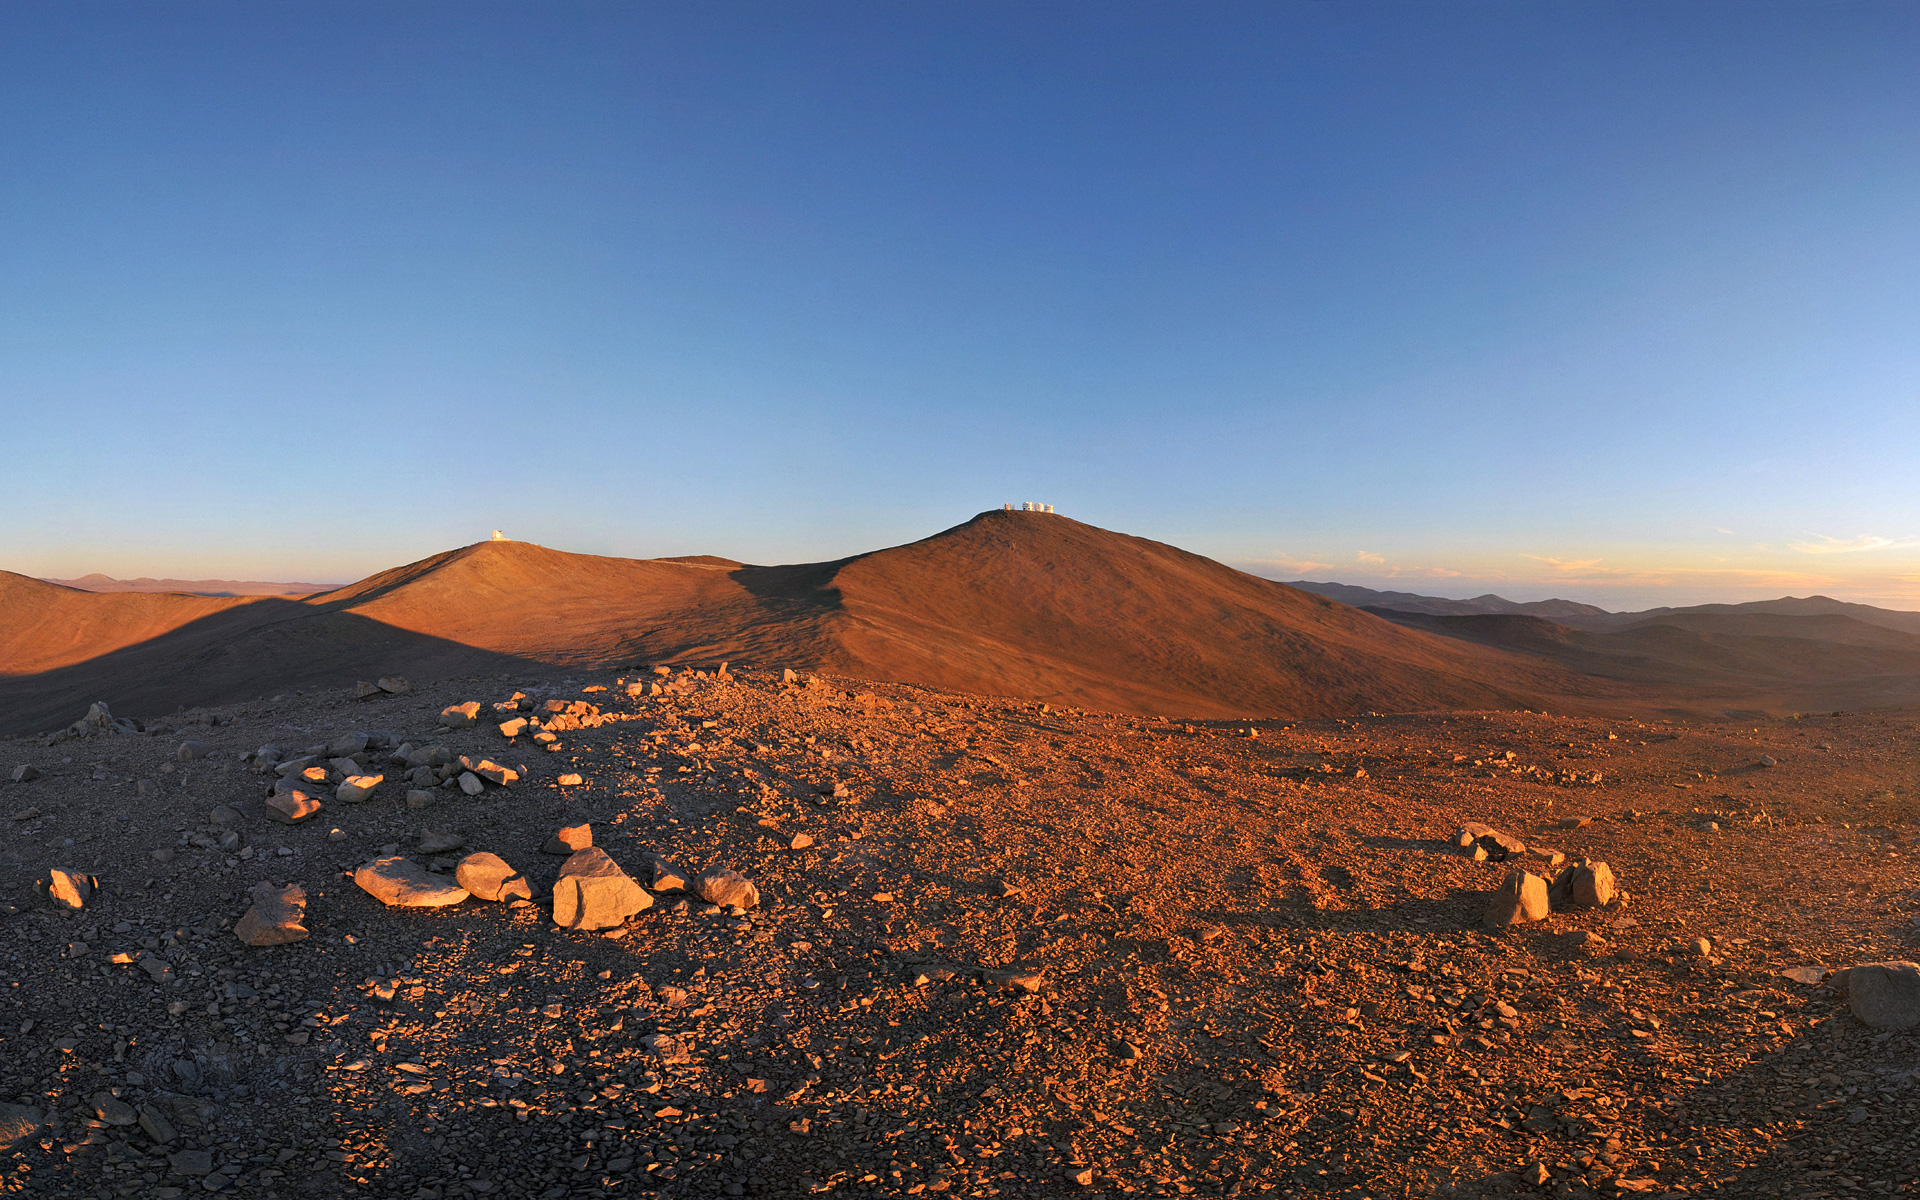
[(1277, 924)]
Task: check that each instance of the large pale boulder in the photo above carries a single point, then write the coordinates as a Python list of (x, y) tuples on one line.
[(594, 893), (276, 916), (1521, 897), (727, 888), (406, 884), (1592, 885), (489, 877), (1886, 995)]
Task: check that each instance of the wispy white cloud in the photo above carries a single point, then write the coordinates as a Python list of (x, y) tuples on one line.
[(1566, 564), (1365, 557), (1832, 545), (1286, 562)]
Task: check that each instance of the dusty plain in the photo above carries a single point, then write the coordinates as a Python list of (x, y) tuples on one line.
[(1261, 965)]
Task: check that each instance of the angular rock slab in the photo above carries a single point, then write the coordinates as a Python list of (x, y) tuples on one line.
[(1885, 995), (1497, 845), (355, 788), (719, 885), (290, 807), (569, 839), (276, 916), (670, 878), (491, 771), (1522, 897), (19, 1126), (406, 884), (68, 888), (594, 893), (459, 716), (489, 877)]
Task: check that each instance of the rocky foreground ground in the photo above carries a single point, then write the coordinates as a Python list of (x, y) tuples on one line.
[(997, 949)]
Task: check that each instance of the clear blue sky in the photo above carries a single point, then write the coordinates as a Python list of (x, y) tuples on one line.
[(1618, 301)]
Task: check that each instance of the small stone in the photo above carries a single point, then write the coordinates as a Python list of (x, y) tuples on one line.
[(112, 1110), (158, 969), (800, 841), (1575, 822), (191, 1162), (669, 878), (1768, 760), (400, 882), (568, 839), (224, 814), (355, 788), (594, 893), (275, 917), (68, 888), (470, 783), (1521, 897), (26, 814), (290, 807), (571, 780), (22, 774), (1700, 947), (513, 728), (1019, 979), (189, 751), (336, 835), (719, 885), (393, 685), (459, 716), (1084, 1177), (418, 798), (667, 1048), (163, 855), (489, 877), (1128, 1052), (347, 745), (438, 841), (156, 1124), (362, 690)]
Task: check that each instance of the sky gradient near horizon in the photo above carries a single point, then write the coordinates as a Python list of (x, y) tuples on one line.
[(1615, 302)]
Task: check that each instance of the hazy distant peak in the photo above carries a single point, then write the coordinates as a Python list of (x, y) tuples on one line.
[(97, 582)]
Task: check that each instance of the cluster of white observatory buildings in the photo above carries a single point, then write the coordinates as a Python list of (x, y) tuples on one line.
[(1029, 506)]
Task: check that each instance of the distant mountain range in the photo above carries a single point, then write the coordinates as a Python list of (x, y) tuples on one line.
[(1360, 597), (1589, 617), (193, 587)]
